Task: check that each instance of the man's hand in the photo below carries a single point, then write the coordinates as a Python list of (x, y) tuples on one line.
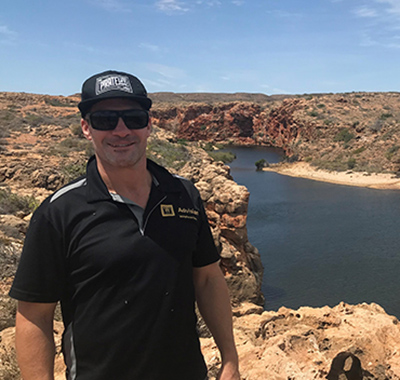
[(228, 371)]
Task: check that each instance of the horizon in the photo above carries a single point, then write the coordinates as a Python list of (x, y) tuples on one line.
[(283, 47)]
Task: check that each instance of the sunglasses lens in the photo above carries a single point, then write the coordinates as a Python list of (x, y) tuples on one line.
[(104, 120), (108, 120), (135, 119)]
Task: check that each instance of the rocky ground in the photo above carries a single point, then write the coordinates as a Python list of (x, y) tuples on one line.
[(41, 149)]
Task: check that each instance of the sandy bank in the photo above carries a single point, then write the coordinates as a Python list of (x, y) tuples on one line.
[(349, 178)]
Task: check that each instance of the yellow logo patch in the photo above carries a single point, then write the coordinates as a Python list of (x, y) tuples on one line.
[(167, 210)]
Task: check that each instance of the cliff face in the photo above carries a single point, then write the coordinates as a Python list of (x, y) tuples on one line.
[(359, 131), (226, 205), (237, 123)]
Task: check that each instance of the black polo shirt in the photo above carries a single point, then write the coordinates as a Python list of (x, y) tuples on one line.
[(126, 289)]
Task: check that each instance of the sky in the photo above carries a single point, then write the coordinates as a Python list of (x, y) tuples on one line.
[(228, 46)]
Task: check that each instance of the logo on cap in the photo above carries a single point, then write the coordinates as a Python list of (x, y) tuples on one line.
[(113, 82)]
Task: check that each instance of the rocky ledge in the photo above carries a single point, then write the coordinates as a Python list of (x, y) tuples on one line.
[(287, 344)]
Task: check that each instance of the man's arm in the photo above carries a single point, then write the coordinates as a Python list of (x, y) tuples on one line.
[(34, 340), (214, 304)]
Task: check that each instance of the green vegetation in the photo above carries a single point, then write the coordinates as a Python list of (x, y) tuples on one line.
[(385, 116), (377, 125), (359, 150), (344, 135), (73, 171), (260, 164), (168, 154), (59, 103), (313, 113), (336, 165), (76, 130), (70, 145), (351, 163), (208, 146), (11, 203), (225, 157), (182, 141), (391, 151)]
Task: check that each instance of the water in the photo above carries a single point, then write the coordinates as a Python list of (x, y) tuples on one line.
[(321, 243)]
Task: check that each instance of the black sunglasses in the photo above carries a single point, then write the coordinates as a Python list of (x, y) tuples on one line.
[(107, 120)]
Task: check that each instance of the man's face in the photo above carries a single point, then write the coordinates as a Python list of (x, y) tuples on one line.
[(120, 147)]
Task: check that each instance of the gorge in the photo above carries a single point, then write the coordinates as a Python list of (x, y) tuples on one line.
[(41, 150)]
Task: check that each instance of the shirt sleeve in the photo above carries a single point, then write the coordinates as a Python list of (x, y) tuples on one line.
[(40, 276)]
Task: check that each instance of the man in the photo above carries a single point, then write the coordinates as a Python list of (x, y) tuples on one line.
[(126, 249)]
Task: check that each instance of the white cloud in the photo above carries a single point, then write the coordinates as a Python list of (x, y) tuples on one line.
[(165, 71), (7, 36), (171, 6), (81, 47), (150, 47), (382, 23), (238, 2), (111, 5), (394, 6), (209, 3), (366, 12)]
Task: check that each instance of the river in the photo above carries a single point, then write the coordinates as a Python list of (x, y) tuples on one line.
[(320, 243)]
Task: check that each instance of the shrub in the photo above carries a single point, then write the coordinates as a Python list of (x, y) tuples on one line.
[(351, 163), (72, 171), (59, 103), (391, 151), (168, 154), (359, 150), (260, 164), (182, 141), (76, 130), (377, 125), (11, 203), (385, 116), (344, 135), (208, 146), (225, 157)]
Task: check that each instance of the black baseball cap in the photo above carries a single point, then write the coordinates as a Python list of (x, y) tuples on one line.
[(112, 84)]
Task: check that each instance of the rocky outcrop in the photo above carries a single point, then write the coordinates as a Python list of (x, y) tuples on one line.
[(286, 344), (226, 205), (239, 123), (301, 344)]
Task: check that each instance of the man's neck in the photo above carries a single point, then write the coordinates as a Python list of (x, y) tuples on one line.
[(133, 183)]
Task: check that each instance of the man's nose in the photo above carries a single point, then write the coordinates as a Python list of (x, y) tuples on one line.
[(121, 128)]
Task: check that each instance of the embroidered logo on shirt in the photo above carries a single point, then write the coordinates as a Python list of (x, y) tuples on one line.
[(188, 213), (113, 82), (167, 210)]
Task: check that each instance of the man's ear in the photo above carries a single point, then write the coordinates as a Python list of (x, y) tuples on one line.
[(150, 126), (86, 129)]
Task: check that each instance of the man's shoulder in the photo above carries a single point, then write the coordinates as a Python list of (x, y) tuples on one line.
[(76, 184)]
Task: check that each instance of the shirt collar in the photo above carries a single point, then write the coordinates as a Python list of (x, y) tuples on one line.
[(97, 189)]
